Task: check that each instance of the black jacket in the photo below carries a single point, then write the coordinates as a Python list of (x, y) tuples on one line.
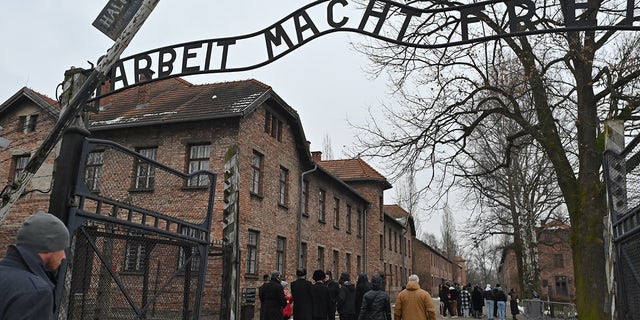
[(272, 300), (361, 288), (334, 290), (321, 300), (303, 303), (346, 302), (26, 290), (375, 303)]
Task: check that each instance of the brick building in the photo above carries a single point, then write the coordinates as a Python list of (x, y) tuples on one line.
[(295, 209), (433, 266), (555, 263)]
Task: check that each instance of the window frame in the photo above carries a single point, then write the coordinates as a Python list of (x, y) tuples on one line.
[(252, 252), (281, 254), (322, 204), (19, 163), (148, 175), (305, 198), (336, 213), (93, 168), (203, 162), (137, 250), (348, 218), (320, 259), (256, 173), (283, 195)]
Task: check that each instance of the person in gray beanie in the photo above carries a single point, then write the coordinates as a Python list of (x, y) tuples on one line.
[(30, 266)]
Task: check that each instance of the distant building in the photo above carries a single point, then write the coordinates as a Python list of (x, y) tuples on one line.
[(433, 267), (555, 263)]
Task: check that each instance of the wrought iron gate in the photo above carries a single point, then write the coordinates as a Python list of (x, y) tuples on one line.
[(623, 189), (141, 238)]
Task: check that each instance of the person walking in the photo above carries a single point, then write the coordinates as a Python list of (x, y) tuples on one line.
[(477, 302), (272, 298), (334, 290), (445, 297), (501, 301), (362, 286), (465, 301), (375, 303), (346, 301), (320, 297), (265, 280), (287, 311), (30, 267), (414, 303), (513, 303), (301, 292), (488, 301)]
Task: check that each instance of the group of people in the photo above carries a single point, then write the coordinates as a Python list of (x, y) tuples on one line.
[(322, 298), (469, 302)]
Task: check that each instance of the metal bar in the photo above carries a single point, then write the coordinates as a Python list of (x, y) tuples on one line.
[(75, 104)]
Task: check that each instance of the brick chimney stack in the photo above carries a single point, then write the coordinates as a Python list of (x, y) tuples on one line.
[(316, 156)]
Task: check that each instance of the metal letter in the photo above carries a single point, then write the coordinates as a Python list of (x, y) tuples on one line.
[(381, 16), (301, 28), (330, 16)]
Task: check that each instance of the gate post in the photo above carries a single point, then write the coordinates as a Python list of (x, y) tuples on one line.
[(64, 179), (614, 141)]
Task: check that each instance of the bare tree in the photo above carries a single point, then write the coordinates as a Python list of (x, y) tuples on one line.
[(327, 150), (449, 240), (575, 80)]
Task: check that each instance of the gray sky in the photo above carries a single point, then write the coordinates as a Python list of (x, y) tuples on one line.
[(323, 80)]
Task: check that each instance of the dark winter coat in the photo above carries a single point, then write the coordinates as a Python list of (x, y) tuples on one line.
[(375, 303), (476, 299), (362, 286), (301, 292), (346, 302), (499, 295), (514, 303), (272, 300), (334, 290), (27, 291), (321, 301)]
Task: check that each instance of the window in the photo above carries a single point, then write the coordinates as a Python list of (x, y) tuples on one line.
[(199, 160), (558, 261), (135, 256), (252, 252), (336, 262), (348, 218), (189, 255), (561, 285), (381, 247), (93, 170), (336, 213), (359, 222), (359, 264), (145, 172), (27, 124), (321, 258), (19, 163), (390, 240), (256, 173), (273, 125), (381, 208), (322, 195), (303, 255), (305, 198), (284, 186), (395, 241), (348, 262), (280, 254)]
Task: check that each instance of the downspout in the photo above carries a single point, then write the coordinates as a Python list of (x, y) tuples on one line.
[(364, 241), (301, 208)]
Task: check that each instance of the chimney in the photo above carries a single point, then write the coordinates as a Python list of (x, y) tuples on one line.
[(316, 156)]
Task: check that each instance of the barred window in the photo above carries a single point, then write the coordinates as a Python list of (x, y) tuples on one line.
[(284, 186), (322, 195), (256, 173), (135, 255), (19, 164), (281, 244)]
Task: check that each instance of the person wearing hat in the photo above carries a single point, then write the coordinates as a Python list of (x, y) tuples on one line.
[(320, 297), (272, 298), (30, 266), (301, 292)]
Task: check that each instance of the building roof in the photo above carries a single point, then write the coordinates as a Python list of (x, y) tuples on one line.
[(51, 106), (354, 170), (177, 100)]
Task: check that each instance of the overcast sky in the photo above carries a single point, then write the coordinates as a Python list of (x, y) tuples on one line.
[(323, 80)]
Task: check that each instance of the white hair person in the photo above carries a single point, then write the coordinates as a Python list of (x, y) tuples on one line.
[(414, 278)]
